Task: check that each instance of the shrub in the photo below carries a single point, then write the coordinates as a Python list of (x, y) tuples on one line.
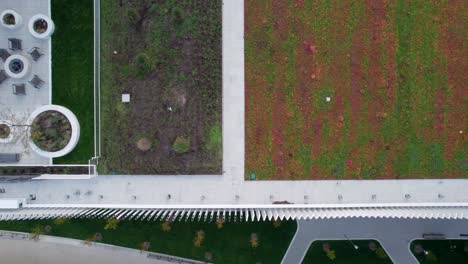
[(380, 252), (144, 144), (178, 16), (331, 254), (36, 232), (145, 246), (111, 224), (215, 138), (4, 131), (181, 144), (40, 26), (143, 65), (9, 19)]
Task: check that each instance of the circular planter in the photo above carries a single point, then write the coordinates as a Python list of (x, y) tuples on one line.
[(10, 132), (75, 131), (41, 26), (17, 66), (10, 19)]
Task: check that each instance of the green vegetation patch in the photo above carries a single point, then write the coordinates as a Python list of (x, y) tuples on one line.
[(256, 242), (440, 251), (73, 70), (344, 252)]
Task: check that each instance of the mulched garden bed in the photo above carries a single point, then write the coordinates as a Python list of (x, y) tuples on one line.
[(167, 56)]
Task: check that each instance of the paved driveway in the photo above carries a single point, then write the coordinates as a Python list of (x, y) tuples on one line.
[(393, 234)]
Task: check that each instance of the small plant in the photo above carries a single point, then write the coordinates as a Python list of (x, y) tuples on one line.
[(143, 65), (198, 240), (372, 246), (219, 223), (111, 224), (178, 15), (380, 253), (90, 240), (9, 19), (97, 237), (181, 144), (418, 249), (36, 232), (254, 240), (144, 144), (166, 226), (331, 254)]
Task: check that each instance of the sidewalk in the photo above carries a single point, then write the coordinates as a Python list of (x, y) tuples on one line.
[(16, 247)]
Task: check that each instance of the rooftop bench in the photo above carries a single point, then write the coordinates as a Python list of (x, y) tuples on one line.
[(9, 157)]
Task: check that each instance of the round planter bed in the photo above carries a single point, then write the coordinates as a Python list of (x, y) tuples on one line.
[(54, 132), (41, 26), (7, 132), (10, 19)]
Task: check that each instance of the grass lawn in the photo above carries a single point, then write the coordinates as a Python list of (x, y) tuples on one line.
[(441, 251), (73, 70), (167, 56), (345, 253), (356, 89), (230, 244)]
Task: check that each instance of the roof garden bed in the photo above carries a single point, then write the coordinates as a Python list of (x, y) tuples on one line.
[(352, 90), (166, 59)]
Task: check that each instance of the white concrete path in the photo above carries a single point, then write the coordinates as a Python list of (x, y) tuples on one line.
[(395, 235), (17, 108), (16, 248)]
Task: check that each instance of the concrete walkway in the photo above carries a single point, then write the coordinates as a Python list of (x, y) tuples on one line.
[(393, 234), (16, 248)]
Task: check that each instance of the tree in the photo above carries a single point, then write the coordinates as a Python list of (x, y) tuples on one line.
[(219, 223), (198, 240), (166, 226), (331, 254), (254, 240), (145, 246), (60, 221), (276, 224), (111, 224), (380, 253)]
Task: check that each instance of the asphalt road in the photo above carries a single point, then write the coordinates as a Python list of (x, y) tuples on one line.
[(394, 235)]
